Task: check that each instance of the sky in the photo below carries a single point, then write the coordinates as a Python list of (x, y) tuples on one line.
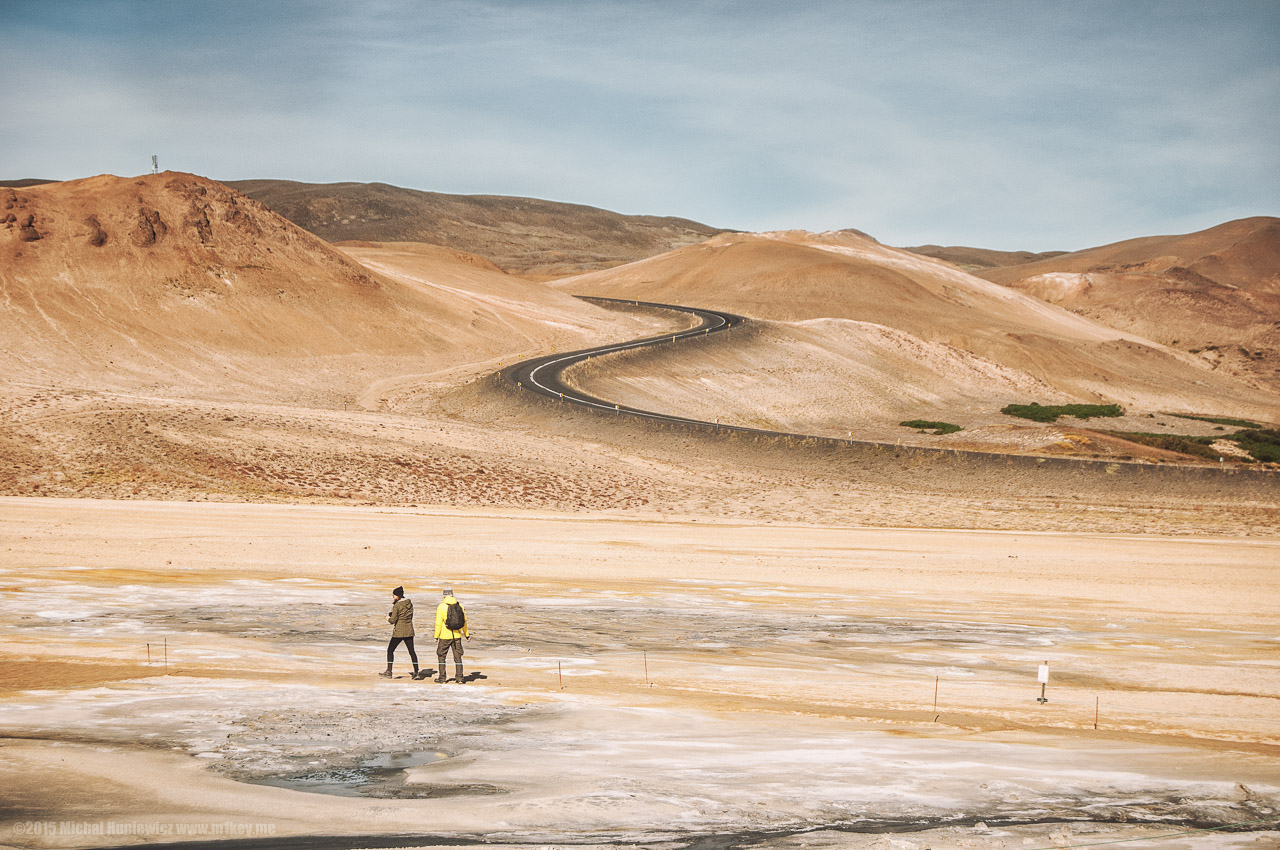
[(1021, 125)]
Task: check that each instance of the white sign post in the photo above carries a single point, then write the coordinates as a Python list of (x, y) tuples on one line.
[(1043, 678)]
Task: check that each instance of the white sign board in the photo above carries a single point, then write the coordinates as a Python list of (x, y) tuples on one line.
[(1043, 677)]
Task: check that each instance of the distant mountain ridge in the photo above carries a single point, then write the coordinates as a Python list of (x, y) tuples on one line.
[(974, 260), (522, 235)]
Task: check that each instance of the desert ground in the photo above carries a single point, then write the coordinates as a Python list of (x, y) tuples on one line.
[(643, 681), (223, 441)]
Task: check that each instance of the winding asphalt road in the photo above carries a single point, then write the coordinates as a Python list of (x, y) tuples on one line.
[(543, 375)]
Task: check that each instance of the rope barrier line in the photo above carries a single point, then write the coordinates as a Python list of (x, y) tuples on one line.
[(1273, 819)]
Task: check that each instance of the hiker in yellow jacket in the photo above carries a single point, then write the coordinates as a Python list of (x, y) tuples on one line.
[(451, 628)]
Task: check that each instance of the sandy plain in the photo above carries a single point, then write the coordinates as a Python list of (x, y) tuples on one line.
[(648, 682)]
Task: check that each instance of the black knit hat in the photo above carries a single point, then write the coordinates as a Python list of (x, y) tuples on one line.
[(399, 591)]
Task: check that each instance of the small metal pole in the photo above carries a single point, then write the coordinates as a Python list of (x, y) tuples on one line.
[(560, 673), (148, 653), (1096, 700), (166, 655), (646, 668), (935, 694)]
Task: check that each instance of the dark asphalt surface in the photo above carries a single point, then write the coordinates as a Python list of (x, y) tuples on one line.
[(543, 374)]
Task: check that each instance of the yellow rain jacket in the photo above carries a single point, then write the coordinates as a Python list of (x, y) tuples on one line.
[(441, 632)]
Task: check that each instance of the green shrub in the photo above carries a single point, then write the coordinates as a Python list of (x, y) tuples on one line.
[(1051, 412), (1194, 446), (1263, 444), (1218, 420), (935, 427)]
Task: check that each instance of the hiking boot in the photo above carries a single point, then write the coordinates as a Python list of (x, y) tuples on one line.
[(461, 678), (386, 674)]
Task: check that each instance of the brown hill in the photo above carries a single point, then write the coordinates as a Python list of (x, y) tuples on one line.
[(522, 235), (862, 336), (1214, 293), (176, 283), (24, 183), (977, 259)]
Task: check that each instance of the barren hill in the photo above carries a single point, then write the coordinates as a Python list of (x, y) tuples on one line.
[(1214, 293), (522, 235), (859, 336), (179, 284), (977, 259)]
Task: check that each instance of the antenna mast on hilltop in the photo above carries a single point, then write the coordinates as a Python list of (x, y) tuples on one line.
[(155, 166)]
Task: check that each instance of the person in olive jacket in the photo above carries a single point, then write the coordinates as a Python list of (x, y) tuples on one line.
[(401, 620), (451, 628)]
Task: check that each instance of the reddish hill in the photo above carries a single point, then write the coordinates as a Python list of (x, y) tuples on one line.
[(173, 281), (1215, 293), (1244, 253)]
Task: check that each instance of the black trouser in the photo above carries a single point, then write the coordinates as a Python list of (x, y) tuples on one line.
[(408, 642)]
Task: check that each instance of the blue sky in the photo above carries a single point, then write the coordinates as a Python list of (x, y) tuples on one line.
[(1012, 125)]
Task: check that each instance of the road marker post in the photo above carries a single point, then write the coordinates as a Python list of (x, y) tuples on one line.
[(1096, 701), (646, 673), (560, 673)]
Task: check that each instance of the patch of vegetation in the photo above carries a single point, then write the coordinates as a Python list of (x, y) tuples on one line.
[(1262, 444), (1051, 412), (938, 428), (1218, 420), (1194, 446)]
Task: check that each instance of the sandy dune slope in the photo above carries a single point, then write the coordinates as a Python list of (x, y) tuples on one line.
[(866, 335), (173, 283), (1215, 293)]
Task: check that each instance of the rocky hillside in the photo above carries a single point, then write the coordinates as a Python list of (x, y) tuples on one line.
[(1214, 293), (175, 283)]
